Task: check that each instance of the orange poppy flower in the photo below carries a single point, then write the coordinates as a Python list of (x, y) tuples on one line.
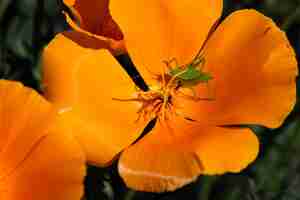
[(93, 26), (39, 159), (245, 74)]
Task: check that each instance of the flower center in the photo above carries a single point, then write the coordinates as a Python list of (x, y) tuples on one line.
[(158, 101)]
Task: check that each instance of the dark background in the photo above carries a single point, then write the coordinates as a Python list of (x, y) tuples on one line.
[(26, 26)]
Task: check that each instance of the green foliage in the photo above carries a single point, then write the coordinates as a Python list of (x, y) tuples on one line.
[(26, 26)]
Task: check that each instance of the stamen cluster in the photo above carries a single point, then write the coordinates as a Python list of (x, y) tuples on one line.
[(159, 102)]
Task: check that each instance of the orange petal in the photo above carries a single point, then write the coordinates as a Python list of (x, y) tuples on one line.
[(93, 41), (96, 18), (82, 84), (254, 70), (54, 169), (186, 150), (69, 2), (25, 118), (159, 162), (96, 25), (223, 150), (158, 30)]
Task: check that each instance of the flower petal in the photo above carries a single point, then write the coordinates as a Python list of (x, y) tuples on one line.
[(38, 157), (254, 70), (223, 150), (54, 169), (69, 2), (158, 30), (82, 84), (89, 40), (25, 119), (159, 162), (96, 26), (97, 19), (186, 150)]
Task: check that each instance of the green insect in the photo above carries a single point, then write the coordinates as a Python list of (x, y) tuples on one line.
[(190, 75)]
